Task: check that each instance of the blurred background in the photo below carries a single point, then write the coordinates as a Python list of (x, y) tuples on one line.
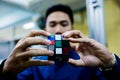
[(19, 17)]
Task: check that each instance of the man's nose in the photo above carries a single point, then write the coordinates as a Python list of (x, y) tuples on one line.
[(59, 30)]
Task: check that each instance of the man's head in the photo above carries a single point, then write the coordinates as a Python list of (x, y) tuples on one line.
[(59, 18)]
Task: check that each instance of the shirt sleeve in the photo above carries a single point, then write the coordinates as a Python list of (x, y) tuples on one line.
[(6, 76), (114, 73)]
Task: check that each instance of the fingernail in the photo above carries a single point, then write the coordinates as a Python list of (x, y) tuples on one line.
[(52, 62), (48, 33), (47, 42), (63, 36), (66, 34), (51, 52)]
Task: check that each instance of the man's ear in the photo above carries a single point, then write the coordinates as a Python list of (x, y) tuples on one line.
[(44, 28)]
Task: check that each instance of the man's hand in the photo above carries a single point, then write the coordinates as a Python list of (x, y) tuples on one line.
[(21, 56), (91, 52)]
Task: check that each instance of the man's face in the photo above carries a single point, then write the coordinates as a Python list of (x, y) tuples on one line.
[(58, 22)]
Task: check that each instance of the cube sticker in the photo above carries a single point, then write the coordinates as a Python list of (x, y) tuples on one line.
[(58, 51), (58, 37), (58, 43)]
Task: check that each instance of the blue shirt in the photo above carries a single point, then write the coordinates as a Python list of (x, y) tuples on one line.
[(61, 71)]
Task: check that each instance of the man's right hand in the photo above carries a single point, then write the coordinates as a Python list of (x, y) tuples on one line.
[(21, 56)]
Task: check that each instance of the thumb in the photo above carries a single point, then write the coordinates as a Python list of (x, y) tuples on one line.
[(76, 62)]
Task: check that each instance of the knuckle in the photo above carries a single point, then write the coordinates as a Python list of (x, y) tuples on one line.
[(77, 31), (26, 41), (37, 32), (33, 32), (92, 41)]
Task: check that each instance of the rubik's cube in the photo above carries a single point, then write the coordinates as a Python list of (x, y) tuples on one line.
[(60, 47)]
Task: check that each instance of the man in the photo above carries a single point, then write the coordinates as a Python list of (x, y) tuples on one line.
[(89, 60)]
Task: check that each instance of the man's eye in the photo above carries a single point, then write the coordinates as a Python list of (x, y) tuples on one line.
[(64, 23), (52, 24)]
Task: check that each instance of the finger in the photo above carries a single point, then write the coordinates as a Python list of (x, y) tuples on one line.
[(35, 33), (32, 41), (84, 43), (76, 62), (36, 52), (38, 33), (88, 42), (39, 63), (82, 40), (73, 33)]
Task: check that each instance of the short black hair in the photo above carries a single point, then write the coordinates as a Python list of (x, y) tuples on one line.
[(60, 7)]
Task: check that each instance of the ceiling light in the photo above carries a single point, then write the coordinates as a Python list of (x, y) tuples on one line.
[(29, 25)]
